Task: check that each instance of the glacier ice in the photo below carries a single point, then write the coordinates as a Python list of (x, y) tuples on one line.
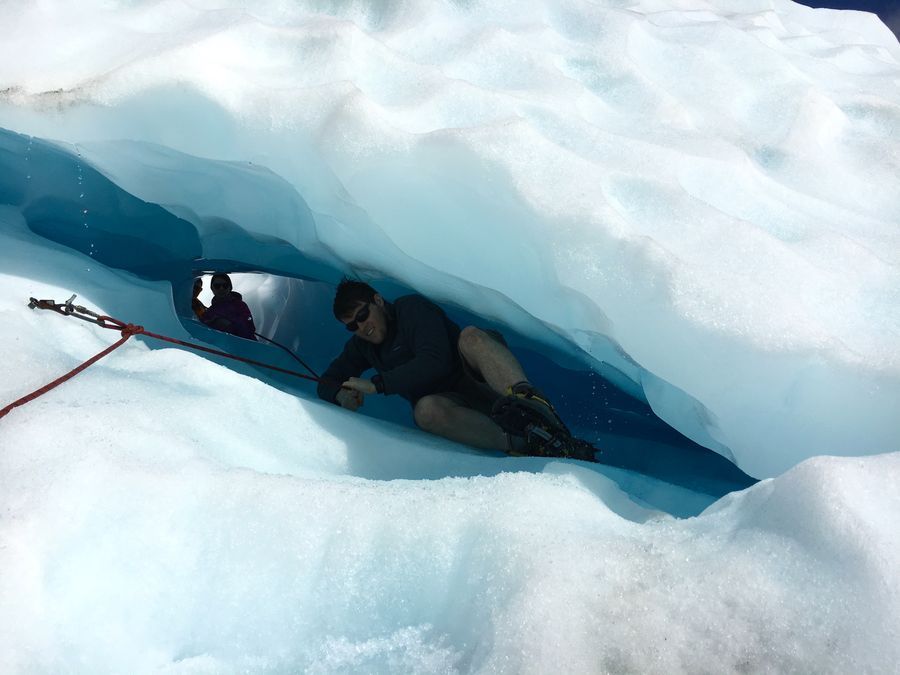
[(696, 201)]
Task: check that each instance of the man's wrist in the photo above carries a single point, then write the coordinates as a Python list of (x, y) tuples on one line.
[(378, 381)]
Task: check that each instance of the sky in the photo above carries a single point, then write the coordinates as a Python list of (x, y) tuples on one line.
[(887, 10)]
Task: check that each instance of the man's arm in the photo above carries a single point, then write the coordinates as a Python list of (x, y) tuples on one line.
[(247, 319), (213, 318), (350, 363)]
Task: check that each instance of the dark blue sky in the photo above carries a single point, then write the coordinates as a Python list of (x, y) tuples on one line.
[(888, 10)]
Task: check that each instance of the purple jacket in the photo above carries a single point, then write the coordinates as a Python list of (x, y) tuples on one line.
[(231, 315)]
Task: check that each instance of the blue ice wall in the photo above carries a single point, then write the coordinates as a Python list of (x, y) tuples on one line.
[(67, 201)]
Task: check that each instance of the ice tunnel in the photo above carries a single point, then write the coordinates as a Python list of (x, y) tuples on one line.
[(162, 216)]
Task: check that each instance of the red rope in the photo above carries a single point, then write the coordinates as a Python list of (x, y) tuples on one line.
[(127, 330), (68, 376), (229, 356)]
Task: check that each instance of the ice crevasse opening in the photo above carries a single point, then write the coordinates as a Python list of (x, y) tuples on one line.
[(683, 220)]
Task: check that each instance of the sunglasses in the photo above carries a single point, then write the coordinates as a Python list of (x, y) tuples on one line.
[(361, 316), (219, 284)]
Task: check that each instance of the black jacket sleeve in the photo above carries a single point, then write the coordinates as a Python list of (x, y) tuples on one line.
[(350, 363), (424, 329)]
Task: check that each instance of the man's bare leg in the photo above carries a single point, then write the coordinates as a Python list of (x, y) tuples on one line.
[(493, 360), (442, 416)]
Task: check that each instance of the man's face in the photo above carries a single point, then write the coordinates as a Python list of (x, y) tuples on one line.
[(370, 319), (220, 288)]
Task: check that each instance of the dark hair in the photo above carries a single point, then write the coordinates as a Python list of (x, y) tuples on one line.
[(349, 294), (221, 276)]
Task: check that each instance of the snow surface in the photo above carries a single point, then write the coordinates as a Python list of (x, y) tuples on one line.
[(695, 201)]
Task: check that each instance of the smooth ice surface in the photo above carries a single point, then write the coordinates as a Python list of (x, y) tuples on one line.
[(696, 201)]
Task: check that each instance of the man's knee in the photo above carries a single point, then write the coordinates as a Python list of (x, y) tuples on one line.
[(471, 339), (430, 412)]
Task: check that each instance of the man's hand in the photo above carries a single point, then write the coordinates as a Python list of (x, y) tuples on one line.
[(349, 399), (360, 385)]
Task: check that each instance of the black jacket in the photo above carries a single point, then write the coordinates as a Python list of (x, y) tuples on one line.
[(419, 355)]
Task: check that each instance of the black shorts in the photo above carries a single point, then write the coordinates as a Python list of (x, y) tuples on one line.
[(470, 389)]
